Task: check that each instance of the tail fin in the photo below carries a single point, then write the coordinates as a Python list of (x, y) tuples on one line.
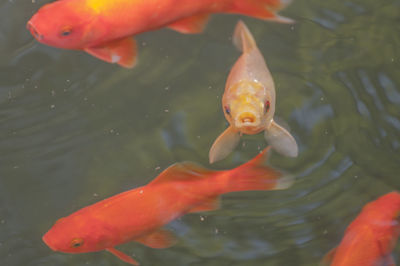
[(262, 9), (256, 175), (242, 38)]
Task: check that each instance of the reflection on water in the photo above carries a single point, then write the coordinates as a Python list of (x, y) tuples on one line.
[(75, 130)]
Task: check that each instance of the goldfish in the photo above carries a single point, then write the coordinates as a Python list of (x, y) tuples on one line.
[(139, 214), (105, 28), (371, 237), (248, 102)]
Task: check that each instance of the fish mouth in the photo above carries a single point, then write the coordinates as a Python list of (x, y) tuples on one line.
[(34, 31), (247, 119), (48, 242)]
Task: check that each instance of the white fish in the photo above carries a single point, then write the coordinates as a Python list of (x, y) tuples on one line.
[(249, 102)]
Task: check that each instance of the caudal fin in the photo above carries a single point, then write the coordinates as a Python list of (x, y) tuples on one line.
[(242, 38), (256, 175), (262, 9)]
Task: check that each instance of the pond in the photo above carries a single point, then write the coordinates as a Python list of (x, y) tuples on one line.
[(75, 130)]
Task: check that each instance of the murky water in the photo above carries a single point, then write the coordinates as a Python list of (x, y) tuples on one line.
[(74, 130)]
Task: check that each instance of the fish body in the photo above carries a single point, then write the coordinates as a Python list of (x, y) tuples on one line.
[(104, 28), (371, 237), (249, 101), (138, 214)]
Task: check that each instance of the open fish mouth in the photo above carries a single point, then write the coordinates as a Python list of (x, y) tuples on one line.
[(33, 31), (247, 119)]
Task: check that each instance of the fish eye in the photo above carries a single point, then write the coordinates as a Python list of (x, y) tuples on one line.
[(267, 106), (76, 242), (227, 110), (66, 31)]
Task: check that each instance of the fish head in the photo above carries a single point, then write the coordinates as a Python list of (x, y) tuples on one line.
[(65, 25), (383, 215), (249, 107), (387, 207), (77, 234)]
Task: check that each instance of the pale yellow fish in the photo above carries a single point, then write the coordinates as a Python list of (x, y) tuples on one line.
[(249, 102)]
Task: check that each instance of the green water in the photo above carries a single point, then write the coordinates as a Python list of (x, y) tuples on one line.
[(74, 130)]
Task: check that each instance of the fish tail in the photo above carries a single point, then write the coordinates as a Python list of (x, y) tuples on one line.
[(255, 175), (242, 38), (262, 9)]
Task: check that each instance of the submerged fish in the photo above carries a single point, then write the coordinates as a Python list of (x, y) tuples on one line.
[(249, 102), (371, 237), (103, 28), (138, 214)]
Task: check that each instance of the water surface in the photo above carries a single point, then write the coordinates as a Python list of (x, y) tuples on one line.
[(74, 130)]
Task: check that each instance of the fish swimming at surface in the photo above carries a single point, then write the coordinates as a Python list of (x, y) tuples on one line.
[(138, 214), (371, 237), (249, 102), (105, 28)]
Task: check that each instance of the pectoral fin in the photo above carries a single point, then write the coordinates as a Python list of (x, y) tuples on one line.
[(121, 51), (224, 144), (122, 256), (281, 140), (193, 24), (157, 239)]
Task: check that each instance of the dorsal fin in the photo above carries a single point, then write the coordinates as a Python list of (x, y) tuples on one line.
[(182, 171)]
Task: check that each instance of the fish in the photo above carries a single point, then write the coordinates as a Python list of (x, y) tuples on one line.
[(140, 213), (104, 29), (248, 102), (371, 237)]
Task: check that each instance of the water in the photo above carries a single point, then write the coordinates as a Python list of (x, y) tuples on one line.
[(75, 130)]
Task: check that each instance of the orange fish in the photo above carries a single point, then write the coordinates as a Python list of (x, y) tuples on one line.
[(103, 28), (138, 214), (371, 237), (249, 102)]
